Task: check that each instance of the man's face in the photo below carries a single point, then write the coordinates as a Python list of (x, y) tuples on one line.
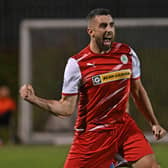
[(102, 31)]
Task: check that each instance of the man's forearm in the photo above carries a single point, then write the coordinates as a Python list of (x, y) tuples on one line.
[(143, 103), (58, 108)]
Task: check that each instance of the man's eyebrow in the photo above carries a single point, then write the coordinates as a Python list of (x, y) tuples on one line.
[(112, 22), (105, 23)]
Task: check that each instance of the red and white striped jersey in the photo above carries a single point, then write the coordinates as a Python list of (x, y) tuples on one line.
[(103, 84)]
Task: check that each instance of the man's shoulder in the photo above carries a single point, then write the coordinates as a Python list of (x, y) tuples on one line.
[(82, 54), (119, 46)]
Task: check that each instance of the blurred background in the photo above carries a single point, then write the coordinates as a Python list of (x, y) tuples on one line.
[(51, 48)]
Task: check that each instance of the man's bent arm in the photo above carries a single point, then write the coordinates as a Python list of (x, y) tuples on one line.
[(63, 107), (143, 103)]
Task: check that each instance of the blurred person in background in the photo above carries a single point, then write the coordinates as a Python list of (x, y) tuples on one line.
[(100, 79), (7, 109)]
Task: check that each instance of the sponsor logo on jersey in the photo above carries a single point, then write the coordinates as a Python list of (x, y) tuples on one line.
[(111, 76), (124, 59)]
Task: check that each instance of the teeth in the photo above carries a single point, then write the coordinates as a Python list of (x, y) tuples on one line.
[(107, 39), (107, 42)]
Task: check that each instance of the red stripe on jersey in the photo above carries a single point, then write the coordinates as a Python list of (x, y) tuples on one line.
[(69, 94)]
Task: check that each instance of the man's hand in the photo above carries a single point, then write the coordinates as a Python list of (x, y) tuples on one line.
[(27, 92), (158, 132)]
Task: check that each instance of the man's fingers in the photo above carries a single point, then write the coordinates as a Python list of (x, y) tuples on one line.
[(159, 132), (162, 133), (29, 86), (156, 134), (25, 91)]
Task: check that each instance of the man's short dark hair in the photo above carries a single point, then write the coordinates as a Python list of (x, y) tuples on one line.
[(98, 11)]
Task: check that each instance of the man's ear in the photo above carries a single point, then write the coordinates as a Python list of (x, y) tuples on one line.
[(90, 32)]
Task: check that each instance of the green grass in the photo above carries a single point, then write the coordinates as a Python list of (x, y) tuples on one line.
[(53, 156), (161, 151), (33, 156)]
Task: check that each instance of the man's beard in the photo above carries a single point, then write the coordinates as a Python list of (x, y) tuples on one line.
[(102, 47)]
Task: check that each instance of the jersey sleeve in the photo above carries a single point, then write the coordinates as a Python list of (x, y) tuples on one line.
[(136, 71), (72, 78)]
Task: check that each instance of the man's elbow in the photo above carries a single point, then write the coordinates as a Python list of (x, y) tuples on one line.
[(67, 113), (61, 114), (68, 109)]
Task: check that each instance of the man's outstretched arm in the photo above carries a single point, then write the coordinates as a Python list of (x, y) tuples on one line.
[(143, 103), (63, 107)]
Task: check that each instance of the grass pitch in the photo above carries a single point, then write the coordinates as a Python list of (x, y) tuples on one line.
[(53, 156)]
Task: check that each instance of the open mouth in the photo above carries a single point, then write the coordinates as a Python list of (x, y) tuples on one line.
[(107, 40)]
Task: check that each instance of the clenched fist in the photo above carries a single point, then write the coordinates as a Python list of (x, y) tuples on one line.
[(158, 132), (27, 92)]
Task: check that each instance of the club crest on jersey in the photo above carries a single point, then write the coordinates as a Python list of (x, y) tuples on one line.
[(124, 59), (111, 76)]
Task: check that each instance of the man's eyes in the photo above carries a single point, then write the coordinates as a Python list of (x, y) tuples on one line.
[(104, 25), (112, 24)]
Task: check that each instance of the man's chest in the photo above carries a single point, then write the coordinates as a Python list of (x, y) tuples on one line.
[(104, 69)]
